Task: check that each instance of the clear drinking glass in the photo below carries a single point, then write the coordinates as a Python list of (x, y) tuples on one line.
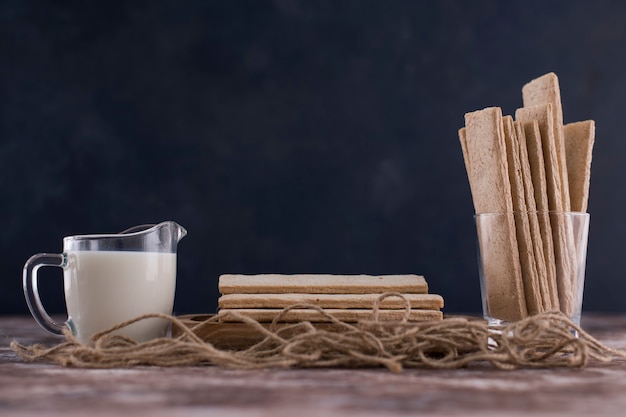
[(531, 262)]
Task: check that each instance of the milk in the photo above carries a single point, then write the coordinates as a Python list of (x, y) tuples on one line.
[(104, 288)]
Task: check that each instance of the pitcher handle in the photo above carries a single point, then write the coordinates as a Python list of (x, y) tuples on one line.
[(31, 291)]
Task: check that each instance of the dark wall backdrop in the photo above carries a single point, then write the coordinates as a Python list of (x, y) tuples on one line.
[(290, 136)]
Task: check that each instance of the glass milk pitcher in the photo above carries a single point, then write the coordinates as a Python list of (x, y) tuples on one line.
[(111, 278)]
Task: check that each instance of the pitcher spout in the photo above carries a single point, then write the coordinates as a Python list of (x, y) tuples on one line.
[(170, 231), (179, 231), (162, 237)]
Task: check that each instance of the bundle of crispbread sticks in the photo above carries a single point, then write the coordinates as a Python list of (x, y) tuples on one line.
[(348, 298), (536, 167)]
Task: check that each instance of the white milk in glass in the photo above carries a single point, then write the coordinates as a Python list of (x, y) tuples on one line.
[(115, 286)]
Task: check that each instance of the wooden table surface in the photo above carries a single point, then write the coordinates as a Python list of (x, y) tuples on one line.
[(36, 389)]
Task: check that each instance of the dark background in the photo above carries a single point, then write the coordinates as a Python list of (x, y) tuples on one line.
[(290, 136)]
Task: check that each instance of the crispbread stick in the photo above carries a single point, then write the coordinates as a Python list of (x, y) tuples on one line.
[(463, 140), (533, 219), (579, 140), (534, 302), (366, 301), (546, 90), (491, 191), (535, 159), (321, 284), (314, 316), (543, 115), (486, 154), (538, 174), (561, 230)]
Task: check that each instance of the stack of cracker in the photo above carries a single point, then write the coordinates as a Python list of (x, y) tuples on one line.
[(529, 166), (348, 298)]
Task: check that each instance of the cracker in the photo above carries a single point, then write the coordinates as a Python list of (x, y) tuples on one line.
[(491, 191), (314, 316), (321, 284), (463, 140), (533, 219), (538, 175), (532, 289), (546, 90), (486, 155), (536, 162), (543, 115), (561, 229), (342, 301), (579, 140)]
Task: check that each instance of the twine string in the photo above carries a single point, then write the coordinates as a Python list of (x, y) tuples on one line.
[(540, 341)]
